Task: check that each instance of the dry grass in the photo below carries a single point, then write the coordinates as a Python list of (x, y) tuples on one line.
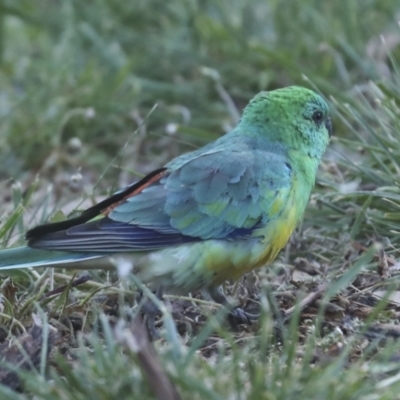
[(78, 85)]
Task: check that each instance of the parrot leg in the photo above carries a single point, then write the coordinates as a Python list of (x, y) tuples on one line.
[(236, 314), (150, 311)]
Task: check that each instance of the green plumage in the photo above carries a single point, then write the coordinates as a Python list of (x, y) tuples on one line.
[(216, 212)]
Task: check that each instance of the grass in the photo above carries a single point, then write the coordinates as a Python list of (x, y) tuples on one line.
[(79, 82)]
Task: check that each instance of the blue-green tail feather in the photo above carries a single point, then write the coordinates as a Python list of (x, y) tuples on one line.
[(26, 257)]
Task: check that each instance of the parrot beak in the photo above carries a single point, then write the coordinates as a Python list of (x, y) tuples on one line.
[(328, 125)]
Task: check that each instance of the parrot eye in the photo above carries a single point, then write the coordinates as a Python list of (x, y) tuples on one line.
[(317, 117)]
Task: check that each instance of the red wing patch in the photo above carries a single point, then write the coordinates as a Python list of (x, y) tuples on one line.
[(134, 192)]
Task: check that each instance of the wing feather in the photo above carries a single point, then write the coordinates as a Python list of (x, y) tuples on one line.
[(222, 194)]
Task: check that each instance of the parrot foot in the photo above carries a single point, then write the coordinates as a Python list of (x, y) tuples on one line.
[(239, 316), (236, 315)]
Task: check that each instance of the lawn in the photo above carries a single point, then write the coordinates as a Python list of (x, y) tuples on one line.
[(94, 94)]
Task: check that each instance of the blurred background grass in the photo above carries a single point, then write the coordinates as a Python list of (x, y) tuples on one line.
[(79, 81), (93, 70)]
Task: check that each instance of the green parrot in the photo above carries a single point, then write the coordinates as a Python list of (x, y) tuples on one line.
[(209, 215)]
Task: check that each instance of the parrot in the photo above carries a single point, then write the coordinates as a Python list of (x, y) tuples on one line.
[(207, 216)]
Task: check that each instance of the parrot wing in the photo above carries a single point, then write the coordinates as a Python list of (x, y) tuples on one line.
[(220, 194), (226, 195)]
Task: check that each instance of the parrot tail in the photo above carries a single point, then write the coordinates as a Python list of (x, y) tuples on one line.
[(26, 257)]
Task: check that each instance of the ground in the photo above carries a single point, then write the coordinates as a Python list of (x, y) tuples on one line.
[(95, 94)]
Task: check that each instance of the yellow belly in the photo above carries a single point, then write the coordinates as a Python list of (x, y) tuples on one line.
[(244, 257), (278, 234)]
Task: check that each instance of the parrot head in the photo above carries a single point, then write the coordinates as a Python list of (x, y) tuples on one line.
[(295, 117)]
